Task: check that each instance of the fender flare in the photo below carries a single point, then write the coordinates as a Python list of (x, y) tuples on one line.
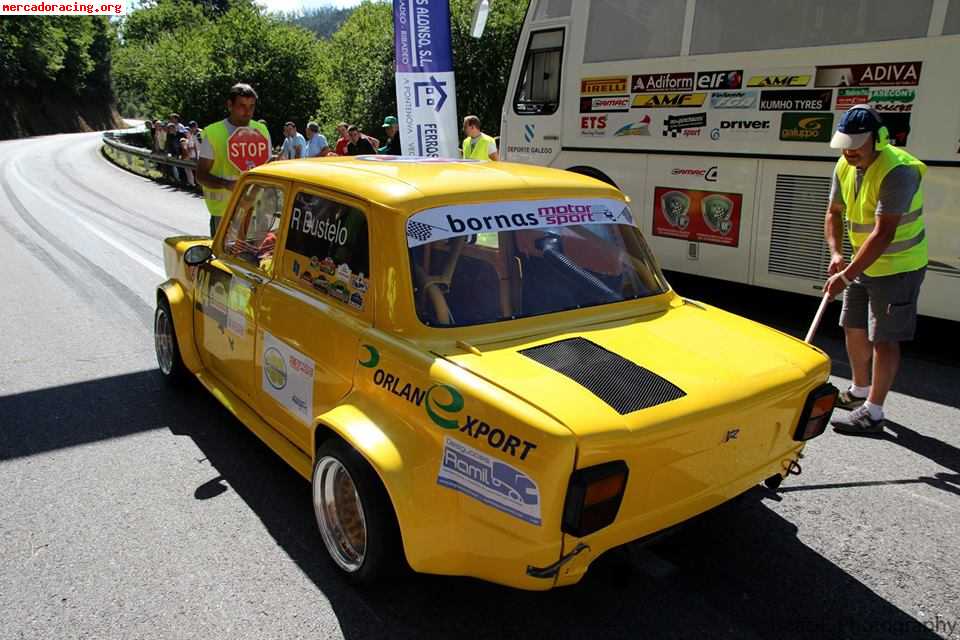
[(359, 423), (181, 307), (593, 173)]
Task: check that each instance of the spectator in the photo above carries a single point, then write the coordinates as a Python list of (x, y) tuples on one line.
[(174, 149), (316, 142), (149, 138), (343, 140), (477, 145), (175, 119), (159, 136), (215, 171), (189, 147), (392, 146), (293, 144), (359, 144)]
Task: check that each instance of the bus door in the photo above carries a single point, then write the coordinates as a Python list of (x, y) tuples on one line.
[(530, 131)]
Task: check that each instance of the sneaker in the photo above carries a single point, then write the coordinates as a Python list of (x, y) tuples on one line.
[(858, 423), (848, 401)]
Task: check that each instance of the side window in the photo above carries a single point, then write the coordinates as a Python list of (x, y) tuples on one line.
[(252, 232), (327, 249), (633, 30), (538, 92)]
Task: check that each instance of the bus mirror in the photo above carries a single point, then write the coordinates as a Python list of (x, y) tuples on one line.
[(481, 9)]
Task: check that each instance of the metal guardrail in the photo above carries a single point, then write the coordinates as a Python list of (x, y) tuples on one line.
[(142, 161)]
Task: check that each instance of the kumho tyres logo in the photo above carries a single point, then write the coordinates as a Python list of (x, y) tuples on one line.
[(806, 127), (444, 405)]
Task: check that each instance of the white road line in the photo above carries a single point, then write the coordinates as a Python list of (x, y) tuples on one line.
[(111, 240)]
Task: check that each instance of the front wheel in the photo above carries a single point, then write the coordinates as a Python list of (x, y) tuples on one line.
[(165, 343), (354, 515)]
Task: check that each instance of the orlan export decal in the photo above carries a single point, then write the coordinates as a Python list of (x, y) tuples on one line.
[(462, 220), (443, 404), (492, 482)]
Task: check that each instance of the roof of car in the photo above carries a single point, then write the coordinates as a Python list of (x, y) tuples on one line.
[(398, 181)]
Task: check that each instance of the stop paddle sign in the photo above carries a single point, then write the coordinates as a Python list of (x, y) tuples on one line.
[(247, 148)]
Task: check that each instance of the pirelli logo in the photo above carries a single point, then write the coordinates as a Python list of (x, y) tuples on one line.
[(605, 85), (675, 100), (778, 81)]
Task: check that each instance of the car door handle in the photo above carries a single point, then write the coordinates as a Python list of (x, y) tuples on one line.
[(255, 281)]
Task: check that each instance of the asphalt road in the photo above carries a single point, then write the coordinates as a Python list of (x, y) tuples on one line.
[(130, 511)]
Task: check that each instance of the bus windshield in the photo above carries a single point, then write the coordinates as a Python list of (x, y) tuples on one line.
[(479, 264)]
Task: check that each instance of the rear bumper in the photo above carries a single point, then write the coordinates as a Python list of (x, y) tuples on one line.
[(623, 531)]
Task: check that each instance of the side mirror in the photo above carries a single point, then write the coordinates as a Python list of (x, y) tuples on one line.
[(197, 255)]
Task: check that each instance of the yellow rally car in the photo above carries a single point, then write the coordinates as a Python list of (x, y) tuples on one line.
[(479, 365)]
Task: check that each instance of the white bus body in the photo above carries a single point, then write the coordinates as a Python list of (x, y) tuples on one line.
[(719, 135)]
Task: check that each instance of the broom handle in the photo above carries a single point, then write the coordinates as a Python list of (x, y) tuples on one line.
[(817, 318)]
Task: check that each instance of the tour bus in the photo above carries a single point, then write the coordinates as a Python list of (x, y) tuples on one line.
[(714, 117)]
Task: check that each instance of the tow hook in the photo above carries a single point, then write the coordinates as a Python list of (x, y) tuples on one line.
[(551, 570), (793, 468)]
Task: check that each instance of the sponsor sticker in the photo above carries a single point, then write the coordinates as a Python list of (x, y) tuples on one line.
[(847, 97), (803, 100), (869, 75), (659, 82), (489, 480), (806, 127), (288, 377), (709, 174), (668, 100), (739, 126), (639, 128), (593, 125), (779, 81), (898, 124), (607, 104), (606, 84), (461, 220), (893, 100), (732, 79), (685, 125), (733, 99), (697, 216)]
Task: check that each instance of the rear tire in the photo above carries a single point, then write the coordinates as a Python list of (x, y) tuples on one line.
[(166, 345), (355, 515)]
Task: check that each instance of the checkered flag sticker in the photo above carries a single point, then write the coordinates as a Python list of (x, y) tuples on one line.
[(419, 231)]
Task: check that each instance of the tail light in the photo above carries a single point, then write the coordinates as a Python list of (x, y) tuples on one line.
[(816, 412), (593, 497)]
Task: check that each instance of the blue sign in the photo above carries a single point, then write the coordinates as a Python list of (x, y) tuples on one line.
[(426, 91)]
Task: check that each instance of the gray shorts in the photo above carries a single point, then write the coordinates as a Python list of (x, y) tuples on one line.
[(885, 306)]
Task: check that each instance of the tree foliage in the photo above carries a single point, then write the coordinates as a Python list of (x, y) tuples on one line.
[(181, 55)]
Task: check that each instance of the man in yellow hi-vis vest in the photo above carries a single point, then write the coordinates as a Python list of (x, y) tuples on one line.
[(477, 145), (228, 148), (879, 190)]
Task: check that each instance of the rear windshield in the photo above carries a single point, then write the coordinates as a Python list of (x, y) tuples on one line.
[(482, 263)]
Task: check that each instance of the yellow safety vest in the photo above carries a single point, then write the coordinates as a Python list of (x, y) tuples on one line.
[(216, 133), (477, 150), (908, 250)]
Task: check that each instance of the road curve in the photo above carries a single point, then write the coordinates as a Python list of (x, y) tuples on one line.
[(128, 510)]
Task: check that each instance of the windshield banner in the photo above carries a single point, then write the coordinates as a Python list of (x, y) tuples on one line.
[(465, 220), (426, 91)]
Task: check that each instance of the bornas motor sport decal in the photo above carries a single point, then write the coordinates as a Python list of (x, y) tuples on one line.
[(288, 377), (489, 480), (697, 216), (889, 74), (464, 220)]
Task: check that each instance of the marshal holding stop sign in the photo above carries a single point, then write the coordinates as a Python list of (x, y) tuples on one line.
[(231, 146)]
